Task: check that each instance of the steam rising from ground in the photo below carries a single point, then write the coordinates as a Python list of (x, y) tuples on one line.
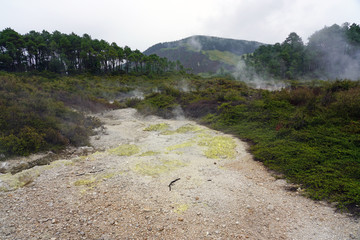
[(138, 94), (178, 113), (183, 86), (248, 75)]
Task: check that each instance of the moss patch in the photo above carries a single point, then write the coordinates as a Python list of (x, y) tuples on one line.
[(157, 127), (155, 169), (125, 150)]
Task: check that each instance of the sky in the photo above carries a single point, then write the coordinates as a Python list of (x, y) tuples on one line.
[(140, 24)]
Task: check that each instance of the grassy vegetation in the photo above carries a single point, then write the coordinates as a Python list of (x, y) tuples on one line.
[(44, 111), (310, 134), (223, 56)]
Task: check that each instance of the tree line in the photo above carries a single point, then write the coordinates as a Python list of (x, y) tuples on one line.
[(71, 54), (332, 52)]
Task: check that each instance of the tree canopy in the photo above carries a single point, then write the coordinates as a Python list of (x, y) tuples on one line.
[(70, 53), (333, 52)]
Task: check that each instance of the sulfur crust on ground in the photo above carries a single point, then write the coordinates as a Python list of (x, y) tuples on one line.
[(152, 178), (125, 150)]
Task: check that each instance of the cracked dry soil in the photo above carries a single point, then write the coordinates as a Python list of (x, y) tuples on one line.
[(121, 190)]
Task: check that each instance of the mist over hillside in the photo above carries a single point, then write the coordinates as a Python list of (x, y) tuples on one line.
[(331, 53), (202, 54)]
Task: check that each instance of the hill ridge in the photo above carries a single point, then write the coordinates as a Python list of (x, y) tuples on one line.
[(194, 52)]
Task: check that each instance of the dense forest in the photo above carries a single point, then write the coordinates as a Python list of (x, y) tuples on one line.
[(333, 52), (71, 54)]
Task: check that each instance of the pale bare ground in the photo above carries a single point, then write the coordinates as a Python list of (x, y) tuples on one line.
[(221, 192)]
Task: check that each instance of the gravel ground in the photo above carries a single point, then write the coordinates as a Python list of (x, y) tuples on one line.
[(121, 190)]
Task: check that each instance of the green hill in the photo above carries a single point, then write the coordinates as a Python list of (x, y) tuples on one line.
[(203, 54)]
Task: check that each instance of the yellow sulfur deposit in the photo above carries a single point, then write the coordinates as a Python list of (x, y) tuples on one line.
[(85, 182), (218, 147), (181, 145), (149, 153), (91, 182), (179, 209), (157, 127), (125, 150), (157, 168), (23, 178), (183, 129)]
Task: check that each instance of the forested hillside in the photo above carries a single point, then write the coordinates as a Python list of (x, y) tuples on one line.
[(332, 52), (71, 54), (205, 54)]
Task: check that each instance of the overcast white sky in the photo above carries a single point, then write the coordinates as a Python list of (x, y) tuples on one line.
[(140, 24)]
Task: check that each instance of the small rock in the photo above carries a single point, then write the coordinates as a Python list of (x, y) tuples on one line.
[(270, 207), (53, 221), (196, 198), (180, 219), (160, 229), (149, 229), (82, 233), (146, 210)]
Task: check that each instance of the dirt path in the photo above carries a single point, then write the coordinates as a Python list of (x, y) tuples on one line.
[(122, 190)]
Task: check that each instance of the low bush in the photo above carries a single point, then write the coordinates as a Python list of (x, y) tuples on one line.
[(309, 133)]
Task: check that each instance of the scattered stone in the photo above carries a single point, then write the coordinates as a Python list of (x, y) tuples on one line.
[(146, 210), (270, 207), (180, 219), (84, 150)]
